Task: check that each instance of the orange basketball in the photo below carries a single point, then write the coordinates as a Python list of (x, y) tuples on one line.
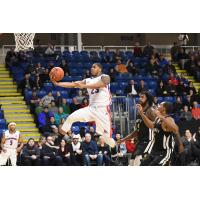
[(57, 73)]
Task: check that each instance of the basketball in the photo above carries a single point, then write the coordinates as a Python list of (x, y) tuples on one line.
[(57, 73)]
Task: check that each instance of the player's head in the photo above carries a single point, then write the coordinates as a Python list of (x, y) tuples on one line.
[(12, 126), (146, 98), (96, 69), (165, 108)]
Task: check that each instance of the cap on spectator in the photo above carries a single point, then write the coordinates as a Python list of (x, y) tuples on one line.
[(75, 136)]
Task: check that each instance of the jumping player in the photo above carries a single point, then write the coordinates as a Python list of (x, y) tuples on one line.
[(9, 144), (141, 131), (99, 103), (165, 132)]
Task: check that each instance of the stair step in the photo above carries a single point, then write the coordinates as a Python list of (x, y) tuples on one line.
[(14, 106), (24, 124), (3, 94), (2, 65), (181, 71), (4, 75), (7, 83), (17, 115), (196, 84), (27, 129), (7, 90), (6, 79), (11, 119), (13, 102), (7, 86), (16, 111), (12, 98), (3, 69)]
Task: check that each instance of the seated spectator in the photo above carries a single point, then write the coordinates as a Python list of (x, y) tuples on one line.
[(38, 69), (30, 154), (65, 67), (169, 68), (171, 89), (39, 108), (90, 152), (46, 100), (85, 103), (161, 90), (181, 89), (53, 108), (173, 79), (121, 68), (185, 115), (50, 49), (58, 99), (74, 105), (44, 120), (182, 57), (188, 102), (87, 74), (65, 106), (130, 146), (51, 65), (178, 105), (190, 87), (131, 67), (49, 152), (137, 50), (80, 95), (41, 142), (34, 102), (45, 76), (142, 87), (63, 155), (148, 50), (26, 83), (59, 115), (196, 111), (152, 67), (105, 151), (117, 56), (162, 61), (76, 152), (131, 89), (107, 58), (37, 83), (174, 51), (112, 74)]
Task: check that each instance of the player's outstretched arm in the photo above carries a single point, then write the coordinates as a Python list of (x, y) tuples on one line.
[(105, 80), (68, 84), (128, 137)]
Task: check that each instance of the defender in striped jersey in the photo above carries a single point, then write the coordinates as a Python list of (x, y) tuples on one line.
[(143, 134), (165, 133), (99, 103)]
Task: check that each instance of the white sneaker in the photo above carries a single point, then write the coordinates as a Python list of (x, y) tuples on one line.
[(109, 141)]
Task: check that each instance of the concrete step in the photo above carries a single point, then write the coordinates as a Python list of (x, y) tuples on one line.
[(27, 129), (14, 106), (7, 83), (4, 71), (8, 90), (16, 111), (181, 71), (7, 86), (12, 98), (17, 115), (4, 75), (4, 94), (11, 119), (5, 79), (12, 102)]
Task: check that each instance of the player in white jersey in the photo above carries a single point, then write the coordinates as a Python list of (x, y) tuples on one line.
[(9, 144), (99, 103)]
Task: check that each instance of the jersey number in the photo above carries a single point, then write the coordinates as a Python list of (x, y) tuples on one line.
[(94, 91), (11, 142)]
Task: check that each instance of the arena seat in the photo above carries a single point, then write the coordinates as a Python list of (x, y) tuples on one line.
[(2, 124)]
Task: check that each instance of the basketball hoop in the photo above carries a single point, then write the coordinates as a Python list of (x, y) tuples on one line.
[(24, 41)]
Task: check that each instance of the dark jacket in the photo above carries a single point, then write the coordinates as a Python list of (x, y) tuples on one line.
[(28, 151), (48, 151), (90, 148)]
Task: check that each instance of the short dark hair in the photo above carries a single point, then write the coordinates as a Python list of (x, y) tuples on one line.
[(168, 107), (99, 65)]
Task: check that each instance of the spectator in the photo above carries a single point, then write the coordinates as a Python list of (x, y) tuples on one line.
[(142, 87), (87, 74), (130, 146), (53, 108), (92, 132), (39, 108), (34, 102), (148, 50), (190, 87), (50, 49), (117, 56), (162, 61), (51, 65), (41, 142), (74, 105), (182, 57), (105, 151), (178, 105), (155, 55), (46, 100), (174, 51), (49, 152), (169, 68), (37, 83), (107, 58), (185, 115), (26, 83), (188, 102), (65, 106), (173, 79), (80, 96), (38, 70), (76, 152), (59, 115), (44, 120), (65, 67), (121, 68), (112, 74), (64, 154), (58, 99), (152, 67), (181, 89), (85, 103), (45, 76), (171, 89), (195, 111), (131, 89), (161, 90), (183, 38), (90, 152), (137, 50), (30, 154), (131, 67)]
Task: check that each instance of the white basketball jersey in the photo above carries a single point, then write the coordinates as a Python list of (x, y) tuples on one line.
[(11, 139), (100, 96)]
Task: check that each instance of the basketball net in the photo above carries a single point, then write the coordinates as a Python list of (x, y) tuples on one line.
[(24, 41)]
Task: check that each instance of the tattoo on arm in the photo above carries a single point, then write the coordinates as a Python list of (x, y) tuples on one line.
[(105, 79)]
